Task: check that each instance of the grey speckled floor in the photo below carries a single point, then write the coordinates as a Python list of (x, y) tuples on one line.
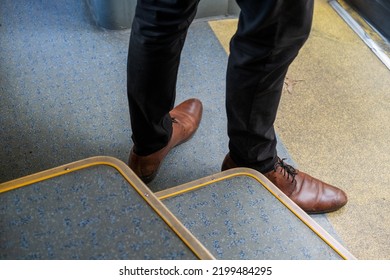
[(63, 93), (62, 87)]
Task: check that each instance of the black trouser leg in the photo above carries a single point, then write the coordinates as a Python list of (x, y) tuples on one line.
[(157, 38), (269, 36)]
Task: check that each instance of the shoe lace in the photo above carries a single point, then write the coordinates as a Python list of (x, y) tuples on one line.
[(286, 169)]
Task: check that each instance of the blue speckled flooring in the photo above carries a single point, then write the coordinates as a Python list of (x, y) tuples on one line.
[(63, 94), (62, 87)]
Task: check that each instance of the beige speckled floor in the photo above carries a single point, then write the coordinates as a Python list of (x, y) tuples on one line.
[(334, 120)]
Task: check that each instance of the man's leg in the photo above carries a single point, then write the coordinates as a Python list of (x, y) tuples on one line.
[(269, 36), (157, 38)]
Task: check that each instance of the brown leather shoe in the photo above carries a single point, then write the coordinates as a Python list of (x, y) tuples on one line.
[(311, 194), (185, 121)]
